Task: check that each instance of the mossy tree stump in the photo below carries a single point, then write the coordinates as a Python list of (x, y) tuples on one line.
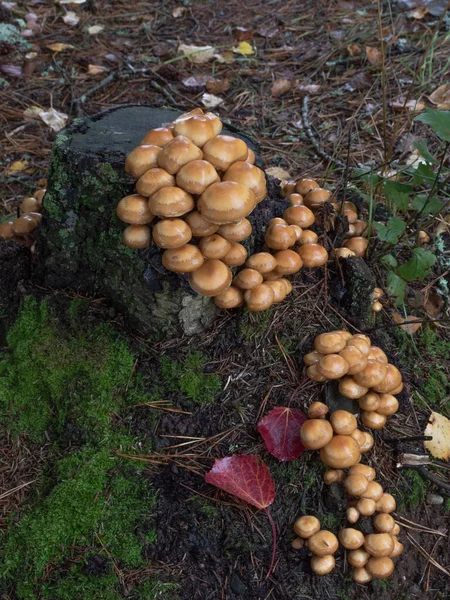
[(79, 241)]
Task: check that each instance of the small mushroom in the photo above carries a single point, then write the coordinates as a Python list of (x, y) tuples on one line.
[(236, 232), (298, 232), (306, 526), (288, 262), (30, 205), (299, 215), (6, 232), (351, 538), (350, 389), (317, 197), (280, 237), (373, 373), (307, 237), (232, 297), (217, 128), (279, 290), (295, 199), (226, 202), (248, 279), (195, 176), (343, 253), (287, 285), (313, 255), (141, 159), (342, 421), (263, 262), (358, 557), (356, 484), (287, 188), (236, 255), (39, 194), (377, 293), (396, 530), (184, 259), (379, 544), (259, 298), (333, 476), (314, 374), (178, 152), (368, 442), (251, 157), (214, 246), (200, 226), (329, 343), (303, 186), (211, 278), (398, 547), (380, 567), (23, 226), (374, 491), (357, 244), (134, 210), (297, 543), (352, 515), (332, 366), (369, 401), (136, 236), (352, 216), (317, 410), (361, 575), (224, 150), (422, 238), (360, 437), (198, 128), (376, 307), (360, 228), (170, 202), (322, 565), (386, 504), (323, 543), (153, 180), (157, 137), (366, 506), (377, 354), (355, 360), (171, 233), (341, 452), (248, 175), (368, 472), (388, 404), (361, 342), (383, 523), (315, 434), (372, 419)]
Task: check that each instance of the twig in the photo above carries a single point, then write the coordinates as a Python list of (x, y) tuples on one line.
[(426, 555), (78, 102)]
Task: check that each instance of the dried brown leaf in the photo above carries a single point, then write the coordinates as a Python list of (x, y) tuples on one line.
[(280, 87), (441, 96), (218, 86), (278, 173), (439, 428), (96, 69), (60, 47), (178, 12), (354, 50), (410, 327), (374, 55), (418, 13), (401, 103)]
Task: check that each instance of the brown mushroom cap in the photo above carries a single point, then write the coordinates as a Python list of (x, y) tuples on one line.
[(184, 259), (380, 567), (211, 278), (248, 279), (232, 297), (383, 523), (157, 137), (259, 298), (342, 451), (39, 194), (287, 285), (295, 199), (355, 360), (368, 442), (373, 373), (352, 515), (171, 233), (279, 290), (323, 543), (224, 150), (279, 236), (377, 354), (397, 390), (317, 410), (350, 389), (276, 221), (342, 421), (307, 237), (368, 472), (369, 401), (388, 404), (329, 343), (343, 253), (372, 419), (297, 543), (299, 215), (198, 128), (376, 307), (6, 232), (31, 205), (37, 216), (343, 333), (170, 202), (350, 538), (236, 255), (288, 262), (386, 504), (332, 366), (356, 484), (352, 216), (315, 434), (153, 180), (306, 526), (398, 548), (322, 565), (134, 210), (360, 228), (366, 506), (333, 476), (396, 530), (357, 244), (287, 188), (214, 246), (358, 558), (314, 374), (298, 232), (23, 226), (377, 293), (142, 159), (317, 197), (248, 175), (136, 236), (195, 176), (361, 342), (188, 115), (177, 153), (374, 491), (236, 232), (305, 185), (263, 262), (313, 255), (226, 202), (216, 123), (361, 575), (200, 226)]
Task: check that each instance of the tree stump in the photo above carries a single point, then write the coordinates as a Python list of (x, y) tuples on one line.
[(79, 240)]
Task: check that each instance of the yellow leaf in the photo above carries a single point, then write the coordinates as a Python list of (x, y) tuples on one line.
[(441, 96), (244, 48), (409, 327), (438, 428), (17, 166), (95, 69), (59, 47), (278, 173)]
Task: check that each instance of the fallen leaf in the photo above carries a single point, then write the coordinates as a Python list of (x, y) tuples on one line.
[(211, 101), (268, 32), (242, 34), (12, 70), (96, 69), (443, 226), (374, 55), (433, 304), (280, 430), (418, 13), (94, 29), (178, 12), (410, 327), (360, 81), (439, 428), (218, 86), (197, 54), (60, 47), (441, 96), (244, 48), (354, 50), (309, 88), (401, 103), (31, 55), (32, 113), (280, 87), (17, 166), (277, 173), (54, 119), (72, 1), (196, 81), (71, 18)]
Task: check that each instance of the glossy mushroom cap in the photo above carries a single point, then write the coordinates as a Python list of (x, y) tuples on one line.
[(259, 298), (380, 567), (358, 341), (298, 232), (350, 538), (391, 381), (171, 233), (312, 358), (329, 343), (236, 232), (251, 157), (189, 114), (355, 360), (341, 452), (373, 373), (333, 476), (263, 262), (342, 421), (177, 153), (248, 175), (322, 565), (366, 507), (350, 389), (39, 194), (377, 293), (184, 259), (279, 290), (314, 374), (232, 297), (361, 575), (153, 180), (360, 228), (295, 199), (276, 221), (332, 366), (212, 278), (248, 279), (195, 176), (369, 402), (280, 237), (200, 226), (215, 122), (236, 255), (343, 253), (287, 188), (359, 469), (224, 150), (308, 237), (31, 205), (358, 558), (198, 128), (388, 404), (157, 137), (356, 484), (398, 547), (23, 226), (386, 504), (313, 255), (306, 526), (305, 185), (288, 262), (317, 197), (141, 159), (287, 285), (352, 217), (377, 354), (379, 544), (297, 543), (357, 244), (299, 215), (317, 410), (368, 442), (136, 236), (170, 202), (323, 543), (352, 515), (383, 523), (214, 246), (6, 232), (226, 202), (372, 419), (134, 210), (315, 434)]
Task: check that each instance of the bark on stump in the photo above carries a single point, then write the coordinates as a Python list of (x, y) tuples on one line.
[(79, 241)]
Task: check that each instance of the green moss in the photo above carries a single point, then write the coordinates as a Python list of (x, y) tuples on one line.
[(155, 590), (189, 377), (76, 584), (254, 324), (411, 491)]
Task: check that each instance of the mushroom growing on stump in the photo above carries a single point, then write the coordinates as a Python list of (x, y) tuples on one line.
[(134, 210), (313, 255), (211, 278), (160, 136), (224, 150), (153, 180), (259, 298), (177, 153), (170, 202), (248, 175), (226, 202), (232, 297), (184, 259), (136, 236), (342, 451), (141, 159), (195, 176), (236, 232)]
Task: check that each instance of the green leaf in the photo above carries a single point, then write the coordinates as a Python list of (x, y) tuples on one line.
[(392, 231), (396, 286), (418, 266), (438, 120), (422, 147), (424, 175), (389, 261), (398, 194), (433, 205)]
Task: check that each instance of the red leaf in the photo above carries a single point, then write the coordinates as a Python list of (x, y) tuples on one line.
[(280, 430), (246, 477)]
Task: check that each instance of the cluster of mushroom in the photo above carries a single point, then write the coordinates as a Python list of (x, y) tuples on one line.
[(364, 372), (376, 304), (320, 542), (22, 228), (356, 244)]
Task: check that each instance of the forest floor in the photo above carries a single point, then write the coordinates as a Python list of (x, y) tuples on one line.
[(80, 395)]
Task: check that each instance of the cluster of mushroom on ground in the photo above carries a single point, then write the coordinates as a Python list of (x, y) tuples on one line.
[(194, 182), (365, 375), (22, 229)]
